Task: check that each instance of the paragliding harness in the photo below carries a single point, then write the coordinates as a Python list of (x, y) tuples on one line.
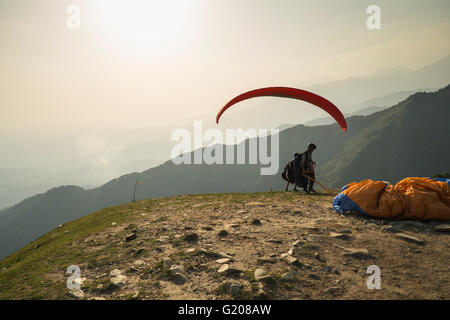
[(291, 170)]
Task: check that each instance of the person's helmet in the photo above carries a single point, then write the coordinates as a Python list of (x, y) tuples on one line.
[(312, 146)]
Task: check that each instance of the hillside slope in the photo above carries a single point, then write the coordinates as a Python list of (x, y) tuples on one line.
[(409, 139), (278, 245)]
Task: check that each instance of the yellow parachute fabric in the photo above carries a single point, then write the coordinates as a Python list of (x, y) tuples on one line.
[(411, 198)]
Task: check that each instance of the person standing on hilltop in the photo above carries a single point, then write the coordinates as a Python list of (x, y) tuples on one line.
[(307, 166)]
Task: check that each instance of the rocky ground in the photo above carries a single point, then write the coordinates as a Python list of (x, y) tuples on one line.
[(278, 245)]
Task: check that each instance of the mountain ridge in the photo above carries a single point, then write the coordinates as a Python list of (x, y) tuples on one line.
[(367, 149)]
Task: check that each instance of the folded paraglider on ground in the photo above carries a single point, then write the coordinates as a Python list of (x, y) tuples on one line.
[(411, 198)]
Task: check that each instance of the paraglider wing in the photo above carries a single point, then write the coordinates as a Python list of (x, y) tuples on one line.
[(293, 93)]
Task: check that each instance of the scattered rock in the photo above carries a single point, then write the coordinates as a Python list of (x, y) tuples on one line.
[(293, 261), (131, 237), (318, 257), (132, 270), (77, 293), (223, 268), (119, 280), (223, 255), (358, 254), (97, 298), (232, 287), (344, 231), (298, 243), (336, 235), (241, 212), (191, 237), (176, 268), (223, 233), (256, 222), (233, 272), (275, 241), (190, 250), (259, 273), (442, 228), (314, 276), (297, 212), (288, 276), (334, 291), (139, 262), (167, 262), (223, 260), (389, 228), (269, 282), (410, 238), (179, 278)]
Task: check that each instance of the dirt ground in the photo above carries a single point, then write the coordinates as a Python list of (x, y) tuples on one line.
[(262, 246)]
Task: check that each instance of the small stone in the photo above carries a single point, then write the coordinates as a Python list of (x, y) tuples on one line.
[(223, 233), (313, 276), (410, 238), (256, 222), (139, 262), (284, 255), (77, 293), (297, 212), (223, 260), (298, 243), (135, 294), (115, 273), (223, 268), (288, 276), (131, 237), (233, 272), (318, 257), (176, 269), (277, 241), (358, 254), (167, 262), (223, 255), (333, 291), (241, 212), (294, 261), (190, 250), (179, 278), (339, 236), (120, 280), (97, 298), (259, 273), (191, 237), (232, 287), (269, 282), (442, 228)]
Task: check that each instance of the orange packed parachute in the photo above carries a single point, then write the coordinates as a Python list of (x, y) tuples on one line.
[(411, 198), (293, 93)]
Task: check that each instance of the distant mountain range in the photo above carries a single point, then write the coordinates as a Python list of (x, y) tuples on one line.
[(408, 139), (370, 106)]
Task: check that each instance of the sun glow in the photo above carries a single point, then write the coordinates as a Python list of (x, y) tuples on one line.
[(144, 22)]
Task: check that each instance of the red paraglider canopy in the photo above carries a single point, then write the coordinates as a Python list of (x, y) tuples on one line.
[(293, 93)]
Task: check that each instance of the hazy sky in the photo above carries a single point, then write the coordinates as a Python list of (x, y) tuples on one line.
[(157, 61)]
